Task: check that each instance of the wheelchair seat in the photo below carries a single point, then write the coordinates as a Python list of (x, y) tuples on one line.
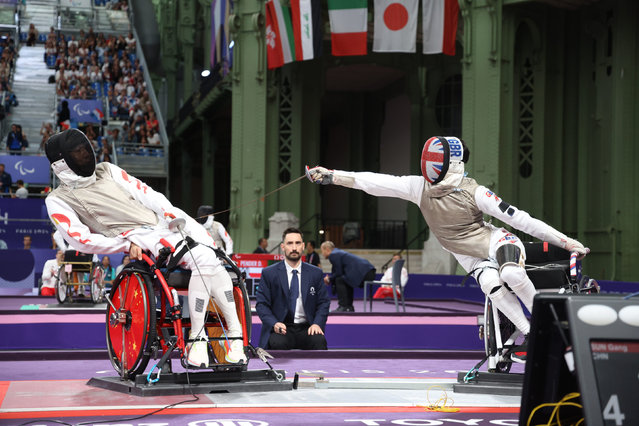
[(547, 266), (179, 278)]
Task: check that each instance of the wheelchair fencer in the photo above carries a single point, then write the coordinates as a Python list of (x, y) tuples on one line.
[(144, 317), (550, 269), (78, 273)]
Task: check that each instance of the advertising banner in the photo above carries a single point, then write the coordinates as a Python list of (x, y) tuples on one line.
[(19, 218), (85, 111), (31, 169)]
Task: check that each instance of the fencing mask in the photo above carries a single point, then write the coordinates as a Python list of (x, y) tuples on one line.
[(75, 149), (438, 154)]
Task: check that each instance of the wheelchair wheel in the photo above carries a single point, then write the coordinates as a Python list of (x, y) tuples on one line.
[(243, 309), (61, 288), (97, 284), (131, 328)]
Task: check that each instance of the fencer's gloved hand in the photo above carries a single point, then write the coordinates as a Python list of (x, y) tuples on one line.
[(319, 175), (575, 246)]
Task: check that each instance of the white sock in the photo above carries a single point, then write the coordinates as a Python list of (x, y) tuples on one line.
[(508, 304), (221, 289)]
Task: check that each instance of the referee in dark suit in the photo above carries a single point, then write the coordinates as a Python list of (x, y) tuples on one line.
[(292, 300)]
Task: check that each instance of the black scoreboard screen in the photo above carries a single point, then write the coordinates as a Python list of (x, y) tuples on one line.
[(616, 365)]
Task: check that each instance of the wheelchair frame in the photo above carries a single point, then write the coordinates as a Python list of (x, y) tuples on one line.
[(499, 333), (137, 330), (70, 284)]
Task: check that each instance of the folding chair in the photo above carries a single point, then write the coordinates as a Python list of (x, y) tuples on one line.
[(396, 284)]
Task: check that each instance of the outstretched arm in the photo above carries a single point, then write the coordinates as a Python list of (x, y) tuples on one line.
[(408, 188), (491, 204)]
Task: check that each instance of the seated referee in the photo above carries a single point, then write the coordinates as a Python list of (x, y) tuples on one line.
[(292, 300)]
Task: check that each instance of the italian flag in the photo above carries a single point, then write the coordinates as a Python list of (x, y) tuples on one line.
[(280, 48), (349, 25), (439, 20)]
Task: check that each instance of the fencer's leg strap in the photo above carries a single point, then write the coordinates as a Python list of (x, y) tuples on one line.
[(503, 299), (221, 289), (517, 279)]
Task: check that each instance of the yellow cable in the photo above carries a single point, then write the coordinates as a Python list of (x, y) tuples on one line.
[(556, 406), (442, 405)]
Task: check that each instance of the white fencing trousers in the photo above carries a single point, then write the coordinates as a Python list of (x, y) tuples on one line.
[(208, 277)]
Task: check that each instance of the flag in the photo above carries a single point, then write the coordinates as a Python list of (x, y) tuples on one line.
[(307, 28), (439, 20), (221, 54), (98, 114), (349, 25), (280, 48), (395, 25)]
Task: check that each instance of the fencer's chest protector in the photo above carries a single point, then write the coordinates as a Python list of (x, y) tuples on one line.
[(455, 219), (105, 207)]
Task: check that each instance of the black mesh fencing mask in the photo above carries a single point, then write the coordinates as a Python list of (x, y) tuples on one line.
[(203, 211), (76, 150)]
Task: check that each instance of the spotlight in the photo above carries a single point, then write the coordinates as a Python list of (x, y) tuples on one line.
[(205, 73)]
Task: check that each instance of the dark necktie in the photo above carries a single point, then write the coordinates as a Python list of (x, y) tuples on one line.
[(294, 291)]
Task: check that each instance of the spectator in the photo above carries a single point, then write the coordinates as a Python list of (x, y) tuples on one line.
[(349, 271), (15, 144), (109, 272), (311, 255), (387, 290), (26, 241), (64, 116), (46, 131), (5, 180), (25, 142), (292, 301), (21, 192), (32, 35), (154, 139), (50, 274), (262, 243), (125, 261)]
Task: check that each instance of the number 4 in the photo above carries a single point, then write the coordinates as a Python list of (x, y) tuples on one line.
[(612, 411)]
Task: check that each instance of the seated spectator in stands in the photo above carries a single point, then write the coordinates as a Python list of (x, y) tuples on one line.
[(387, 290), (349, 271), (32, 35), (130, 42), (21, 192), (15, 144), (25, 141), (152, 122), (104, 155), (154, 139), (125, 261), (292, 301), (262, 243), (109, 272), (26, 242), (50, 273), (64, 116), (46, 131), (5, 180)]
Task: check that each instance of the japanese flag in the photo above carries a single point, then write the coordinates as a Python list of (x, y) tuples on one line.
[(395, 25)]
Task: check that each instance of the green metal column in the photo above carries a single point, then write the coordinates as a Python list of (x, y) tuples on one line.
[(186, 31), (169, 47), (208, 154), (481, 87), (247, 220)]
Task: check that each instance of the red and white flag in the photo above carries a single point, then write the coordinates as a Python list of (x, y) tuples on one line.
[(348, 26), (439, 20), (395, 25), (279, 46)]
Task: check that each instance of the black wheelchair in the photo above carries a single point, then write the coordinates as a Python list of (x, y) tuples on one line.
[(144, 317), (551, 269), (77, 274)]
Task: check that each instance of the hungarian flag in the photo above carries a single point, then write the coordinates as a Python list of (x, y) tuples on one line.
[(280, 49), (439, 18), (348, 26), (307, 28), (395, 25)]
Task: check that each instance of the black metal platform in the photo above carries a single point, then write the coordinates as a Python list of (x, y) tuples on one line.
[(197, 383), (491, 383)]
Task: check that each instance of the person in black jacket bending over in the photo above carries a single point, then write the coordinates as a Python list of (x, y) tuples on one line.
[(292, 300)]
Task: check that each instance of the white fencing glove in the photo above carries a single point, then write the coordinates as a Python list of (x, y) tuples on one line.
[(320, 175), (560, 240), (575, 246)]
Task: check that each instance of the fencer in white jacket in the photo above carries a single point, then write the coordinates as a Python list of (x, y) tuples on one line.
[(102, 209), (453, 206)]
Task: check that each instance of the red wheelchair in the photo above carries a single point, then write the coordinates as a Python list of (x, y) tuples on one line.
[(144, 317)]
